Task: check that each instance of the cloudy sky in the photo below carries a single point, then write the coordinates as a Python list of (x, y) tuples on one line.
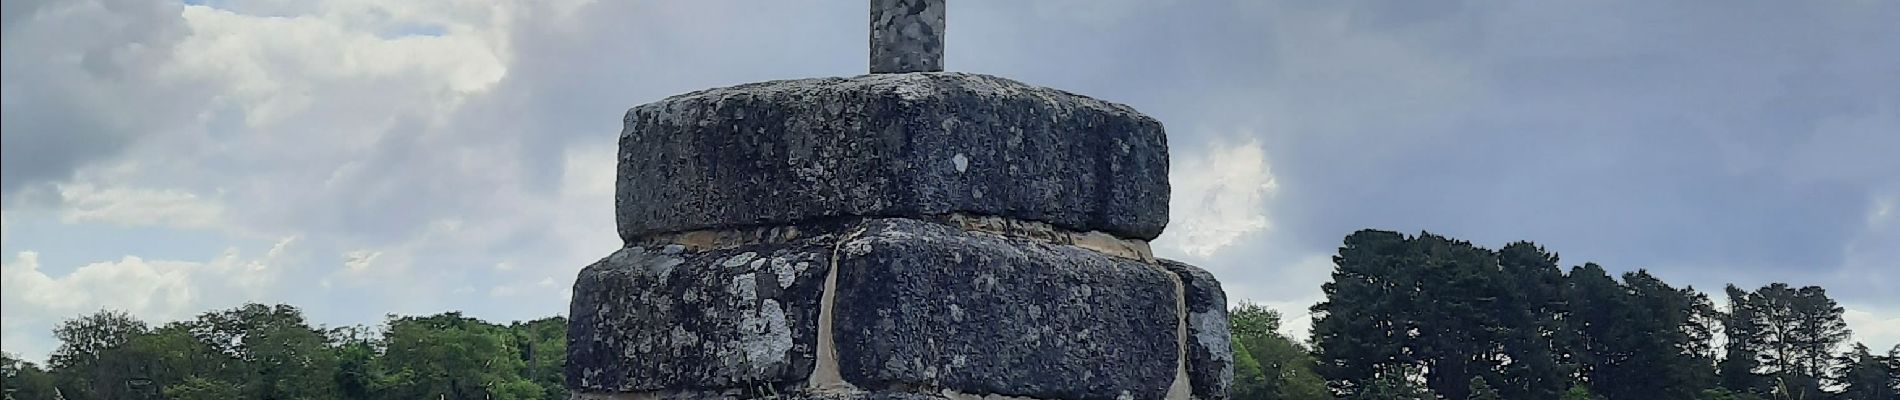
[(365, 157)]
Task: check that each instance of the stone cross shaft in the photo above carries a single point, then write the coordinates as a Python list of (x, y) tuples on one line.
[(906, 36)]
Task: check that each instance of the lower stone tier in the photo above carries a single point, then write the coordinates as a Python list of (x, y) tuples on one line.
[(792, 395), (893, 305)]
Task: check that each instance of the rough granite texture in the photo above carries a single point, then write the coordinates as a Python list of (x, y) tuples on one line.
[(890, 145), (662, 317), (1210, 350), (928, 305), (906, 36), (795, 394)]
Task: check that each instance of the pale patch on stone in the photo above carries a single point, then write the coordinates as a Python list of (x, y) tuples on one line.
[(664, 268), (739, 260), (766, 338), (1213, 335), (858, 248), (962, 163), (785, 273), (745, 286)]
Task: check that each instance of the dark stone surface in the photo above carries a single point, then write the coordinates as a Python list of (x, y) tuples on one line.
[(1210, 350), (927, 305), (887, 145), (739, 394), (906, 36), (660, 317)]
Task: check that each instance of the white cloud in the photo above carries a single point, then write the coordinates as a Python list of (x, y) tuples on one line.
[(1883, 211), (280, 67), (1219, 195), (83, 202), (1290, 288), (1878, 328), (358, 261), (154, 290), (503, 291)]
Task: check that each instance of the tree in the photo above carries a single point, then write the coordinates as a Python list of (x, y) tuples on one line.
[(1742, 327), (356, 353), (23, 380), (1725, 394), (1250, 383), (543, 344), (1460, 327), (1866, 376), (1250, 320), (1285, 367), (1663, 357), (90, 362), (1579, 392), (451, 356), (199, 388), (171, 355), (1796, 331), (1533, 307), (1396, 382), (1454, 310), (1366, 320), (1596, 324), (279, 355), (1480, 390)]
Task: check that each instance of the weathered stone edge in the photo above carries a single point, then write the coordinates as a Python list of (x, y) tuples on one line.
[(869, 80), (1098, 241)]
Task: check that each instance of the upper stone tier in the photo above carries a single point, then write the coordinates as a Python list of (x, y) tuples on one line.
[(890, 145)]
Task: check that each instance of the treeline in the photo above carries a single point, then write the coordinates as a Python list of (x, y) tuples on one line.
[(271, 352), (1427, 317)]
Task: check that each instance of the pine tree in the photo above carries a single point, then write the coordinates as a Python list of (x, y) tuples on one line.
[(1481, 390), (1532, 309), (1866, 376), (1367, 317), (1742, 354)]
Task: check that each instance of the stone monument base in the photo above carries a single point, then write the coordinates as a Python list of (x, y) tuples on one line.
[(949, 306)]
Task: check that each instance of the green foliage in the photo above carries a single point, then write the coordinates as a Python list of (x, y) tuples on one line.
[(1395, 382), (1579, 392), (543, 344), (1268, 364), (1512, 320), (1742, 356), (1250, 383), (1481, 390), (272, 352), (1635, 336), (1725, 394), (93, 360), (1252, 320), (1782, 341), (1866, 376), (23, 380), (1450, 308), (448, 355), (198, 388)]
